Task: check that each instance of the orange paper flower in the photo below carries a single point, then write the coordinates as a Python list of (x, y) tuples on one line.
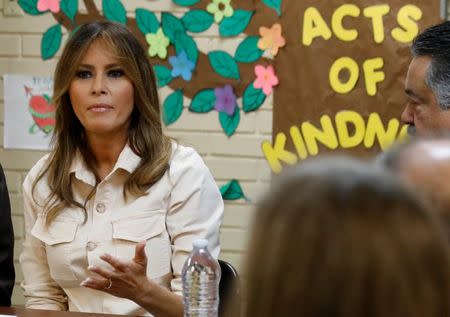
[(271, 39)]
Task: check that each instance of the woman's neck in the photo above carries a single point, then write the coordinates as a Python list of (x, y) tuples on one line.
[(105, 151)]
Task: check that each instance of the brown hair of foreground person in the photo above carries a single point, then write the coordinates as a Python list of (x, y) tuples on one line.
[(338, 237)]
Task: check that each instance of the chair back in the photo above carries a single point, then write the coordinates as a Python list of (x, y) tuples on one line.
[(229, 290)]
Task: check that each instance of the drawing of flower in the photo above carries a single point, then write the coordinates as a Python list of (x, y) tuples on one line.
[(45, 5), (225, 100), (158, 44), (220, 9), (265, 78), (271, 39), (181, 66)]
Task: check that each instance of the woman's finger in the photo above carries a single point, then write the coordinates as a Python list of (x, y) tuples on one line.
[(107, 274), (96, 283), (139, 256), (114, 262)]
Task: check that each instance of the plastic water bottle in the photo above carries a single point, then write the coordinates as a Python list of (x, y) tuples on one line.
[(201, 276)]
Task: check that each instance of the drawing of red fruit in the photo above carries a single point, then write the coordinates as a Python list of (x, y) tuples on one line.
[(43, 113)]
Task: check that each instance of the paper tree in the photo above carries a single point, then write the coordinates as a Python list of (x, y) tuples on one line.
[(213, 80)]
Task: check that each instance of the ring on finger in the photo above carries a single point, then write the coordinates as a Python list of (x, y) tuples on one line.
[(109, 284)]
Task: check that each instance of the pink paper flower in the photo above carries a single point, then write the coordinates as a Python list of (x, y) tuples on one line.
[(45, 5), (265, 78), (271, 39)]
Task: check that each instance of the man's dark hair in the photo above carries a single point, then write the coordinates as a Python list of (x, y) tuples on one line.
[(435, 42)]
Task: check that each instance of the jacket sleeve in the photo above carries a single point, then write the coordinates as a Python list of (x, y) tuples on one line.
[(7, 274), (40, 290), (196, 209)]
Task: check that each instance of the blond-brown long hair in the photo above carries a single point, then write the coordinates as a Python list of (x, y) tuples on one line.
[(145, 138), (339, 238)]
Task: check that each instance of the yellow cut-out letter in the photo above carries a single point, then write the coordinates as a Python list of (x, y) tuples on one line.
[(276, 153), (372, 74), (336, 83), (403, 134), (326, 136), (376, 129), (298, 142), (341, 33), (343, 119), (376, 13), (314, 26), (407, 18)]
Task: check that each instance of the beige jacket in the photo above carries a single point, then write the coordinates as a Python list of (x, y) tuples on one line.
[(183, 205)]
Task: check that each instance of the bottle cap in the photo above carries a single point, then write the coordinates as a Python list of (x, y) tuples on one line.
[(200, 243)]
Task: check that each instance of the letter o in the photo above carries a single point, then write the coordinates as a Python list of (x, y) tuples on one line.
[(339, 65)]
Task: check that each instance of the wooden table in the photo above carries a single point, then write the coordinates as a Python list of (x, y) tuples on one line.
[(21, 312)]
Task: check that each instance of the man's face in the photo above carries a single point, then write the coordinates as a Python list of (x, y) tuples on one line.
[(422, 111)]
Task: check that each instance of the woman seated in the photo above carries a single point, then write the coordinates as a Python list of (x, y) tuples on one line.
[(113, 186)]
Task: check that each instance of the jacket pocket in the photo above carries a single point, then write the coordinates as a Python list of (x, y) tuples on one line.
[(151, 227), (139, 227), (57, 238)]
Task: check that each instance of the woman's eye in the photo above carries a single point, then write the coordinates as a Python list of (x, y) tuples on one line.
[(116, 73), (83, 74)]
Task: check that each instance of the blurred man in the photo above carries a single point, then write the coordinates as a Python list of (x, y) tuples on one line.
[(424, 164), (7, 275), (427, 84)]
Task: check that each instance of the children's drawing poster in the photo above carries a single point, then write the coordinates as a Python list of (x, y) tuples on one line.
[(29, 114)]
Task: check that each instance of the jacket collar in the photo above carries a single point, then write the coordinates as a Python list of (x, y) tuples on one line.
[(127, 160)]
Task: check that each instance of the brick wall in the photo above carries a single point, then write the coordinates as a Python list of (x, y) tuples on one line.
[(237, 157)]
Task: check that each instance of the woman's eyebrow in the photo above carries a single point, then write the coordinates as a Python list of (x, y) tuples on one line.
[(89, 66)]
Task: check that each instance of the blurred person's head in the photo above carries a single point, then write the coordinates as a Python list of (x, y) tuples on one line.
[(427, 84), (424, 164), (338, 237)]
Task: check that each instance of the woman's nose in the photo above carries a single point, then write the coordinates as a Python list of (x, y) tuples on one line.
[(98, 86)]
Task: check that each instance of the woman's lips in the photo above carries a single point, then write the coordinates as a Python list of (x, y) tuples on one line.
[(101, 107)]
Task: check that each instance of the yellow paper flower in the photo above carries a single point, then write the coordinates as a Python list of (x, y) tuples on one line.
[(158, 44), (220, 9), (271, 39)]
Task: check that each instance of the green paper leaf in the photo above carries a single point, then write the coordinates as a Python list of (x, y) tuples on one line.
[(197, 21), (30, 7), (70, 8), (248, 51), (235, 24), (146, 21), (173, 107), (114, 11), (163, 74), (184, 42), (203, 101), (232, 191), (223, 64), (51, 41), (229, 123), (253, 98), (274, 4), (185, 3), (171, 26)]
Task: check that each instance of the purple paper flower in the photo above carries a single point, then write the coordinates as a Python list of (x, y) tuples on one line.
[(225, 100), (181, 66)]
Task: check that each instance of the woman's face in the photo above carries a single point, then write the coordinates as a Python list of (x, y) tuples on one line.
[(102, 96)]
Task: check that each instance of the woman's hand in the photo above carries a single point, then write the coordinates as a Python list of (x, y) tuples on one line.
[(128, 279)]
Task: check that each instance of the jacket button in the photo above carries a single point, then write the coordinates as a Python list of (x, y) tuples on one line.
[(100, 208), (91, 246)]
